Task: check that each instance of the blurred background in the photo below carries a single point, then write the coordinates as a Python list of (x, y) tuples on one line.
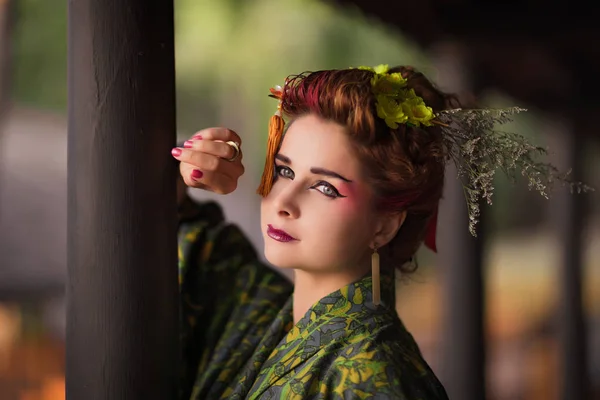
[(228, 54)]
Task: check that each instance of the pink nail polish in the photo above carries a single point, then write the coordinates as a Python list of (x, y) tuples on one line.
[(188, 144), (197, 174), (197, 137), (176, 152)]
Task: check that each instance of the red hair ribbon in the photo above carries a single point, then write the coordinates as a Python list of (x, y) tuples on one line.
[(431, 232)]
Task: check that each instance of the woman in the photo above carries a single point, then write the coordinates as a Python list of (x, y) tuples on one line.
[(357, 177)]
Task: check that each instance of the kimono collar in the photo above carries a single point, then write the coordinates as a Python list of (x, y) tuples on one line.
[(347, 313), (354, 298)]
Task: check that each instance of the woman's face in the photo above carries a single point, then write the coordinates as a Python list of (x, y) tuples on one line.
[(320, 201)]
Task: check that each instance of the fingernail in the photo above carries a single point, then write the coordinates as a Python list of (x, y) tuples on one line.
[(197, 174), (176, 152), (188, 144), (197, 137)]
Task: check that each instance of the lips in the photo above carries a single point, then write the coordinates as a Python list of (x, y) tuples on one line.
[(279, 235)]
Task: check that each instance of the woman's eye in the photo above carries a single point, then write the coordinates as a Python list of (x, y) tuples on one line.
[(324, 187), (284, 171), (327, 189)]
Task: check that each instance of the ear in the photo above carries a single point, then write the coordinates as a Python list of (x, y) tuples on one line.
[(387, 228)]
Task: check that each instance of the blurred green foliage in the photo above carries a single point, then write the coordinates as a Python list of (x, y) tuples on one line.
[(40, 53), (248, 47), (221, 45)]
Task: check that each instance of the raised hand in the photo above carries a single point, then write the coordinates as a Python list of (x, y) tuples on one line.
[(208, 162)]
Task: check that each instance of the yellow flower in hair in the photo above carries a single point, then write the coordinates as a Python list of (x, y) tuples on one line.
[(395, 103), (381, 69), (416, 110), (389, 84), (378, 70), (390, 111)]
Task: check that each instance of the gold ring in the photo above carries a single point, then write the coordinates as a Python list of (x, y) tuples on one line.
[(236, 150)]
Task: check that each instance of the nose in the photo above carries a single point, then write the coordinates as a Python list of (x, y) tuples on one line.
[(286, 202)]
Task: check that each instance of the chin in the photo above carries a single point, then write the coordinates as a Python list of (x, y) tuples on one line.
[(280, 257), (285, 256)]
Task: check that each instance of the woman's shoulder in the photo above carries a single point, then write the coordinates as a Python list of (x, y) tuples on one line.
[(202, 225), (190, 210), (387, 360)]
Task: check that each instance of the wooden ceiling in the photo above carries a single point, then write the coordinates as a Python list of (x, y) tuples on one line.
[(545, 54)]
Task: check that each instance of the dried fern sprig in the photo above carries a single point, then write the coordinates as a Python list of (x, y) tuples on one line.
[(478, 150)]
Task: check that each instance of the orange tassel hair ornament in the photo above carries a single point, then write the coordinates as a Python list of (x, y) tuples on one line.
[(276, 127)]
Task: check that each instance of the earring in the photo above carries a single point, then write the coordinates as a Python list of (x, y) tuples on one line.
[(375, 276)]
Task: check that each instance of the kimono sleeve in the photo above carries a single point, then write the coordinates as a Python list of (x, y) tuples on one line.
[(218, 266)]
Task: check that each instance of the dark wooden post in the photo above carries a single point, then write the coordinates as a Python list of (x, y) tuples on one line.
[(461, 265), (569, 211), (122, 311), (7, 17)]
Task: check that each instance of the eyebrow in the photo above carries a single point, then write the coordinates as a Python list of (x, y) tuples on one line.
[(314, 170)]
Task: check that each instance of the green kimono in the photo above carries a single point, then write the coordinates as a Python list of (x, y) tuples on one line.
[(239, 340)]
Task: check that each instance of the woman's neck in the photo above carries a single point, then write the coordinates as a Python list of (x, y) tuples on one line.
[(309, 287)]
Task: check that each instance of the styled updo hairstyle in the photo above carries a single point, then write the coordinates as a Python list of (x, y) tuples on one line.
[(405, 166)]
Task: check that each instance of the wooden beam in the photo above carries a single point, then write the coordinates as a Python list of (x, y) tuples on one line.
[(569, 212), (460, 261), (504, 37), (7, 19), (122, 291), (463, 348)]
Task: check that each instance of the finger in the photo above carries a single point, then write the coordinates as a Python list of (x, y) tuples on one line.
[(217, 183), (211, 181), (219, 149), (186, 171), (208, 163), (223, 134)]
